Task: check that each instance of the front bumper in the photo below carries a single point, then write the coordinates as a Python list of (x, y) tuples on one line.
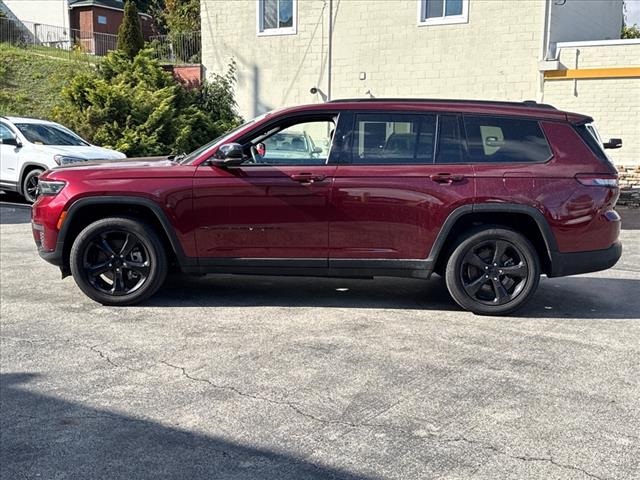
[(574, 263)]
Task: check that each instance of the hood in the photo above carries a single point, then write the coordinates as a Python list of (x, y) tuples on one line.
[(86, 152)]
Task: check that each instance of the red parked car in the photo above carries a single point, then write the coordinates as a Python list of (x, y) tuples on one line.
[(488, 194)]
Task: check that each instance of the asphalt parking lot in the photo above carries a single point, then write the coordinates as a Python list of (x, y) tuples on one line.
[(227, 377)]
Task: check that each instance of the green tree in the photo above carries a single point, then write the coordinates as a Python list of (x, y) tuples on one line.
[(136, 107), (130, 39), (630, 31)]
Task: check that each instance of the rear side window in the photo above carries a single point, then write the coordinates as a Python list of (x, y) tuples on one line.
[(507, 140), (593, 144), (388, 139)]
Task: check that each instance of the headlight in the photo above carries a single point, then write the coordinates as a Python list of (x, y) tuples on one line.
[(64, 160), (50, 187)]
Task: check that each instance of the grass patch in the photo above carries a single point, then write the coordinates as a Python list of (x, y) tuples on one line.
[(30, 82)]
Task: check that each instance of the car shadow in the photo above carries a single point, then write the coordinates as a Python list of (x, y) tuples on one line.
[(46, 437), (582, 297)]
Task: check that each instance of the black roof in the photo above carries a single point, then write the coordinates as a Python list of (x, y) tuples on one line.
[(525, 103)]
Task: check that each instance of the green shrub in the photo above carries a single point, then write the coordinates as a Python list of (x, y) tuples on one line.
[(136, 107)]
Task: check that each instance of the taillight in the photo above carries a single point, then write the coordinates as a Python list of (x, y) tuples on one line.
[(597, 180)]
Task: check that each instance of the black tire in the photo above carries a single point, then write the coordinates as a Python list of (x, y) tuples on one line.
[(30, 185), (118, 261), (493, 271)]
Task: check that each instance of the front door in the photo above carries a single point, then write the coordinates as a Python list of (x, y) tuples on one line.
[(273, 206), (8, 158), (404, 173)]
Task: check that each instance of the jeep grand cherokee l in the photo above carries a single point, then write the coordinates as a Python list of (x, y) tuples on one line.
[(488, 194)]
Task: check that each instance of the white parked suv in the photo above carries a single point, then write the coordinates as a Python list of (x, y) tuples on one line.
[(29, 146)]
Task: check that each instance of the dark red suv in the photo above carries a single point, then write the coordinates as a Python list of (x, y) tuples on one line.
[(489, 195)]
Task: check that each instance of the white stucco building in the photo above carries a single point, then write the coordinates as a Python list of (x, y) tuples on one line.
[(480, 49)]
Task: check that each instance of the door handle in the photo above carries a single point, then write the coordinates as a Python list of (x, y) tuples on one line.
[(446, 178), (307, 177)]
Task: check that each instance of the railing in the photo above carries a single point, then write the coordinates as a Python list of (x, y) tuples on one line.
[(177, 48), (56, 41)]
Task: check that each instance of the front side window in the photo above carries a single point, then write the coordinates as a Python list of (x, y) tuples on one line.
[(381, 139), (503, 139), (5, 133), (434, 12), (305, 143), (276, 17), (42, 134)]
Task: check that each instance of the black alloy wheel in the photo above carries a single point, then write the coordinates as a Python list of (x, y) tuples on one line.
[(493, 271), (118, 261), (30, 185)]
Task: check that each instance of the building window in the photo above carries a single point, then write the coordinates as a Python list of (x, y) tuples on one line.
[(442, 12), (276, 17), (102, 20)]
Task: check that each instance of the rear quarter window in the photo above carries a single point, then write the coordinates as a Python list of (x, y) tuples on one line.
[(505, 140), (589, 138)]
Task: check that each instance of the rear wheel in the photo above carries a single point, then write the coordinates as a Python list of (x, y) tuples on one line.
[(118, 261), (30, 185), (494, 271)]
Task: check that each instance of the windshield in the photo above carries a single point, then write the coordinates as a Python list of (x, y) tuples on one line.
[(43, 134), (222, 138)]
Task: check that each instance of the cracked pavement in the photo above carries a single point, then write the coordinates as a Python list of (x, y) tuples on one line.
[(226, 377)]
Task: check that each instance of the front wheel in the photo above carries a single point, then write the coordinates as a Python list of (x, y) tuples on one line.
[(30, 185), (493, 271), (118, 261)]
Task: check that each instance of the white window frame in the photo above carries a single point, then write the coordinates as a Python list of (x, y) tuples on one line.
[(448, 20), (262, 32)]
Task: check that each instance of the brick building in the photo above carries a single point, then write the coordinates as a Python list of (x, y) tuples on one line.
[(483, 49)]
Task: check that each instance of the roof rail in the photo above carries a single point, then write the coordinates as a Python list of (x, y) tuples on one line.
[(525, 103)]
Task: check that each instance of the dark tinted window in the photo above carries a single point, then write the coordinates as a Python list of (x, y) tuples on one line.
[(44, 134), (500, 139), (591, 141), (450, 143), (393, 139)]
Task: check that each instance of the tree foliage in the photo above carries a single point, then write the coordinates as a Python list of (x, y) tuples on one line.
[(136, 107), (630, 31), (176, 16), (130, 39)]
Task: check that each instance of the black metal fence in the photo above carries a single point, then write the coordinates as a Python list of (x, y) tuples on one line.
[(177, 48), (56, 41)]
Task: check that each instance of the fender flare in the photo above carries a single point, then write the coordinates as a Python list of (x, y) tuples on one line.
[(159, 213), (537, 216)]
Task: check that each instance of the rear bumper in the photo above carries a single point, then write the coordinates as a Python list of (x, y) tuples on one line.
[(563, 264)]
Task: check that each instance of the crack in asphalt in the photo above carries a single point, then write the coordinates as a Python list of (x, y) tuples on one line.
[(108, 359), (525, 458), (295, 408), (298, 410)]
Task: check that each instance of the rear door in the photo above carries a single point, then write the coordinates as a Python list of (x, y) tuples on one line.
[(400, 176)]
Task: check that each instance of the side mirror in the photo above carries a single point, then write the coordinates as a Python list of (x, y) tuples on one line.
[(316, 150), (12, 141), (228, 155), (613, 143)]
